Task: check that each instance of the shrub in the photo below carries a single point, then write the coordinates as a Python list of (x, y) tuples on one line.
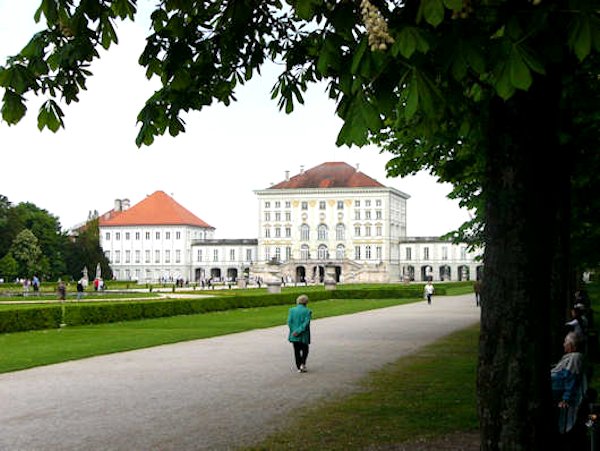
[(48, 317)]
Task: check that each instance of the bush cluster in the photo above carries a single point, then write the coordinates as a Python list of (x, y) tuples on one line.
[(74, 314)]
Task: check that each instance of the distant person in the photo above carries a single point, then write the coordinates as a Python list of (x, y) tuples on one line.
[(62, 290), (429, 290), (299, 324), (477, 291), (35, 283), (80, 288)]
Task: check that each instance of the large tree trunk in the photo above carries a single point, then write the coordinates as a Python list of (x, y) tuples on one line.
[(520, 189)]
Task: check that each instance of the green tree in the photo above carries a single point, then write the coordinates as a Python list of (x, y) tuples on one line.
[(47, 230), (85, 251), (7, 232), (26, 251), (479, 92), (9, 268)]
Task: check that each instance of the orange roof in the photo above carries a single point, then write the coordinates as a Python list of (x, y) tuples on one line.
[(156, 209), (330, 175)]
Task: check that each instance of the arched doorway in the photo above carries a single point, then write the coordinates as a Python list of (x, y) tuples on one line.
[(445, 273), (408, 273), (199, 274), (426, 273), (463, 273), (338, 274), (215, 273), (318, 274), (300, 274), (232, 274)]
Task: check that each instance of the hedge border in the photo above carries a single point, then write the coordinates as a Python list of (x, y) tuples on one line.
[(73, 314)]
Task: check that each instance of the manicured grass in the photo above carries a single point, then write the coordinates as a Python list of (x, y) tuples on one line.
[(431, 393), (35, 348)]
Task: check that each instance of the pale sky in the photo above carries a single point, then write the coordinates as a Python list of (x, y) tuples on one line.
[(212, 169)]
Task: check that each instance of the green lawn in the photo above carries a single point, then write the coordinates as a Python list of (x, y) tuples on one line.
[(428, 394), (28, 349)]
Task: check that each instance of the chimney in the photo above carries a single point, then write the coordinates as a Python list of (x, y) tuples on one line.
[(287, 176), (301, 169), (125, 204), (117, 205), (357, 167)]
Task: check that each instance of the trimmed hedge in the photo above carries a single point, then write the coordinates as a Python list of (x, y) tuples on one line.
[(48, 317)]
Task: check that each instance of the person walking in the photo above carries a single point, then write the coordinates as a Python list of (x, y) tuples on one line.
[(429, 290), (299, 324), (477, 291)]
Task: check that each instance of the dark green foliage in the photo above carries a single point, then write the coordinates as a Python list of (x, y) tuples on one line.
[(47, 317)]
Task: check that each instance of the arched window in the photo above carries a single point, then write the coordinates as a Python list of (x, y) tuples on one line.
[(340, 252), (340, 232), (322, 232), (304, 232), (323, 252), (304, 252)]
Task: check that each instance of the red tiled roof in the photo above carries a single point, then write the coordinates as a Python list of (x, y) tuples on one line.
[(330, 175), (156, 209)]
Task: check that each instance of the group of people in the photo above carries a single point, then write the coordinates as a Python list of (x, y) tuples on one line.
[(569, 378), (33, 283)]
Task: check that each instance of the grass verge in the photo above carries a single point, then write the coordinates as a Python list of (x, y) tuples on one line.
[(35, 348), (429, 394)]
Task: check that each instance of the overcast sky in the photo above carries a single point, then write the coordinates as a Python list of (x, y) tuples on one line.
[(212, 169)]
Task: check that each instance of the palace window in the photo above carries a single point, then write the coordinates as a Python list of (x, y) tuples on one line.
[(304, 252), (304, 232), (323, 252), (340, 232), (322, 232)]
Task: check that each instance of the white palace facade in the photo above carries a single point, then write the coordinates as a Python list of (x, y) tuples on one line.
[(331, 216)]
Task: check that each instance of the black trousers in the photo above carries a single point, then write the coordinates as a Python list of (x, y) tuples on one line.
[(300, 353)]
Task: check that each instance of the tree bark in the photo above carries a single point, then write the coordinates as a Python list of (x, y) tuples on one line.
[(520, 190)]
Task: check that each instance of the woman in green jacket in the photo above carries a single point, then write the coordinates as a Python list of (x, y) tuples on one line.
[(299, 324)]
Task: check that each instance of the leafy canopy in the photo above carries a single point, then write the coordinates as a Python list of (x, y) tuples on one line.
[(442, 57)]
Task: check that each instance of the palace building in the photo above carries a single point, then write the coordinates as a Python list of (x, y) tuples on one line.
[(330, 219)]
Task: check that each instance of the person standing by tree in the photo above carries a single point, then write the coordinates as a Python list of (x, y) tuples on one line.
[(299, 324)]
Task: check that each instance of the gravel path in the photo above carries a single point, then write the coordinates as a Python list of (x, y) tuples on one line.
[(216, 393)]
